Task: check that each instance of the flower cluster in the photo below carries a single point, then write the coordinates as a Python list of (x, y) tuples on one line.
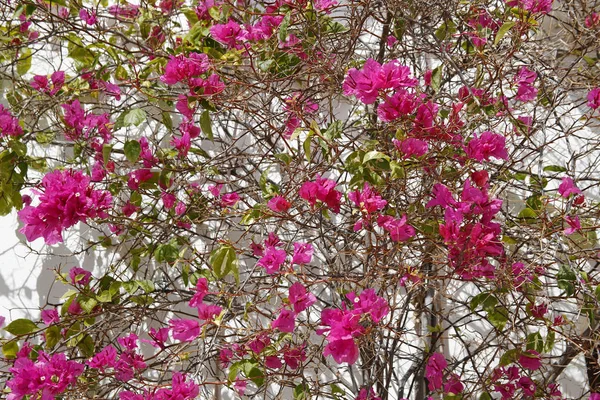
[(9, 125), (82, 124), (524, 80), (345, 326), (66, 199), (322, 189)]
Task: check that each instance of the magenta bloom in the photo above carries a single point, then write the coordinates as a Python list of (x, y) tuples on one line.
[(208, 312), (67, 198), (535, 6), (88, 16), (434, 370), (366, 83), (530, 359), (279, 204), (453, 385), (441, 197), (369, 303), (342, 350), (294, 356), (368, 200), (138, 177), (9, 125), (594, 396), (399, 230), (47, 377), (285, 322), (593, 98), (80, 276), (272, 259), (487, 145), (412, 147), (324, 190), (124, 11), (49, 316), (229, 199), (299, 298), (567, 188), (182, 69), (185, 330), (574, 225), (107, 358), (400, 104), (303, 253), (201, 291), (181, 389), (228, 33)]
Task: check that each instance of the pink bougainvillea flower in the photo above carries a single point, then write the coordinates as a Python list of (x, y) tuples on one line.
[(126, 10), (594, 396), (434, 370), (258, 344), (401, 104), (88, 16), (229, 199), (9, 125), (441, 197), (80, 276), (299, 298), (50, 316), (453, 385), (272, 259), (567, 187), (66, 199), (208, 312), (201, 291), (185, 330), (399, 230), (293, 356), (369, 303), (412, 147), (530, 359), (183, 69), (324, 190), (181, 389), (535, 6), (593, 98), (369, 394), (107, 358), (574, 225), (368, 200), (303, 253), (487, 145), (279, 204), (285, 322), (138, 177), (229, 34)]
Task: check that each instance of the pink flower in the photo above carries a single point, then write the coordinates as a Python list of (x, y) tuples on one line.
[(279, 204), (303, 253), (368, 200), (9, 125), (185, 330), (66, 199), (574, 225), (285, 322), (535, 6), (273, 362), (593, 98), (182, 144), (434, 370), (201, 291), (258, 344), (487, 145), (272, 260), (369, 303), (240, 386), (365, 394), (294, 356), (138, 177), (530, 359), (391, 41), (594, 396), (49, 316), (181, 389), (80, 276), (567, 187), (124, 10), (208, 312), (441, 197), (229, 199), (299, 298), (412, 147), (107, 358), (342, 350), (592, 20), (399, 230), (88, 16), (527, 385), (228, 33), (183, 69), (324, 190), (453, 385), (129, 342), (168, 200)]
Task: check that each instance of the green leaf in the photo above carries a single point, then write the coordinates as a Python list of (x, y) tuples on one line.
[(485, 396), (549, 341), (535, 342), (147, 286), (436, 77), (375, 155), (283, 27), (132, 150), (106, 150), (10, 349), (86, 346), (87, 304), (24, 62), (509, 357), (507, 26), (206, 125), (21, 327), (306, 146), (487, 300), (53, 336), (301, 392), (224, 261), (166, 253), (566, 277), (554, 168), (135, 117), (498, 318)]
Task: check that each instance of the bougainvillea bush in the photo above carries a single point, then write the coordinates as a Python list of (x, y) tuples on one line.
[(299, 199)]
